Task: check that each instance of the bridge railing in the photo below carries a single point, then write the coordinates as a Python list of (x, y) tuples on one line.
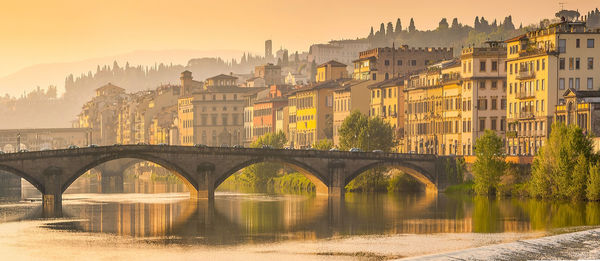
[(215, 150)]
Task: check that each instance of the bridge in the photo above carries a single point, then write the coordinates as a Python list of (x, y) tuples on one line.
[(204, 169)]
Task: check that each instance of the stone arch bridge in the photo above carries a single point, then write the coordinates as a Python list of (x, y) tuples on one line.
[(204, 169)]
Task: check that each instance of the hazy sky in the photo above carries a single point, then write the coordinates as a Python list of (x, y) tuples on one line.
[(33, 32)]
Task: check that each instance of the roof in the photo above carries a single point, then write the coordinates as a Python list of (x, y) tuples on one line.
[(322, 85), (332, 63), (109, 86), (516, 38), (582, 93), (222, 77), (397, 81)]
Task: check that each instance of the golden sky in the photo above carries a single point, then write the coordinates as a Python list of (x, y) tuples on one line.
[(33, 32)]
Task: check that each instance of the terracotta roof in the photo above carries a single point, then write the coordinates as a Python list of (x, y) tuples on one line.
[(221, 77), (516, 38), (109, 86), (333, 64), (397, 81)]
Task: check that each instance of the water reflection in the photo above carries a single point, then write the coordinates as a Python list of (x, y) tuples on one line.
[(170, 216)]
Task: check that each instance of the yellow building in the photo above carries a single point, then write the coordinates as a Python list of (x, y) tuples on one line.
[(314, 113), (387, 102), (330, 71), (292, 118), (542, 65)]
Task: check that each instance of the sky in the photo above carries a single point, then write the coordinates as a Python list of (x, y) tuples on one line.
[(34, 32)]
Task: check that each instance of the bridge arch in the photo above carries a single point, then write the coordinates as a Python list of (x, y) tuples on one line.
[(319, 179), (413, 170), (36, 183), (178, 171)]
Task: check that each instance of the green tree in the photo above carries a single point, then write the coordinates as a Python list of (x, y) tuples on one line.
[(561, 168), (324, 144), (360, 131), (593, 185), (489, 165)]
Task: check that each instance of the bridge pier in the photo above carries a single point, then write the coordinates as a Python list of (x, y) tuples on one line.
[(206, 182), (52, 193), (337, 187)]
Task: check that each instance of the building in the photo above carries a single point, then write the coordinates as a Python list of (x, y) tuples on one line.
[(344, 51), (101, 114), (268, 103), (212, 115), (270, 73), (47, 138), (542, 65), (581, 108), (314, 113), (331, 70), (390, 62), (352, 95), (483, 75), (296, 79), (268, 49), (386, 100)]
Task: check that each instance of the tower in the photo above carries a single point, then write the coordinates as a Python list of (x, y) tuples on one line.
[(268, 49), (186, 83)]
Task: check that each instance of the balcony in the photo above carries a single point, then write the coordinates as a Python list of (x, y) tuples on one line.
[(526, 115), (525, 95), (525, 75)]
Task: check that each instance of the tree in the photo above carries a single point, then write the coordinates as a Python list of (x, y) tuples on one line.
[(489, 165), (360, 131), (390, 30), (593, 185), (324, 144), (411, 27), (371, 34), (455, 24), (443, 24), (260, 174), (477, 25), (508, 24), (561, 168), (398, 26)]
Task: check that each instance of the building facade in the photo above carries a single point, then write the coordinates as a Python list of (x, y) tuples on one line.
[(542, 65)]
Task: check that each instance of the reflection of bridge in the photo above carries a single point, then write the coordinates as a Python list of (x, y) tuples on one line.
[(204, 169)]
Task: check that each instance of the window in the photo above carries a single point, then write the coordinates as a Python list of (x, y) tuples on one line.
[(503, 104), (494, 66), (562, 45), (543, 64), (590, 83), (494, 84), (482, 66), (399, 62), (387, 62), (502, 124), (374, 77), (510, 89), (571, 63), (577, 84), (493, 123), (494, 104), (570, 83), (590, 64), (482, 124), (577, 63), (561, 83), (542, 84), (577, 43), (510, 68), (590, 43), (561, 64), (482, 85)]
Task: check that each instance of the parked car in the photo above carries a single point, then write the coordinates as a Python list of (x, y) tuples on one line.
[(92, 146), (73, 147), (117, 144), (44, 149), (238, 146), (334, 149), (355, 150), (200, 146), (378, 151), (288, 148)]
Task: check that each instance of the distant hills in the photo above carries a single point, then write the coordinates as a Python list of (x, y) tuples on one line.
[(44, 75)]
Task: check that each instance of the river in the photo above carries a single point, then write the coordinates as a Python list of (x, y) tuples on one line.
[(157, 220)]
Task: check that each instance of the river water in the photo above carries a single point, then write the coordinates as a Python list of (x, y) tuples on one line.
[(157, 220)]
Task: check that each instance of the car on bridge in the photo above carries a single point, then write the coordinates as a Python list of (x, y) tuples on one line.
[(238, 146), (73, 147), (142, 143), (355, 150), (163, 144), (200, 146), (1, 152), (334, 149), (378, 151), (92, 146), (268, 147), (24, 150)]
